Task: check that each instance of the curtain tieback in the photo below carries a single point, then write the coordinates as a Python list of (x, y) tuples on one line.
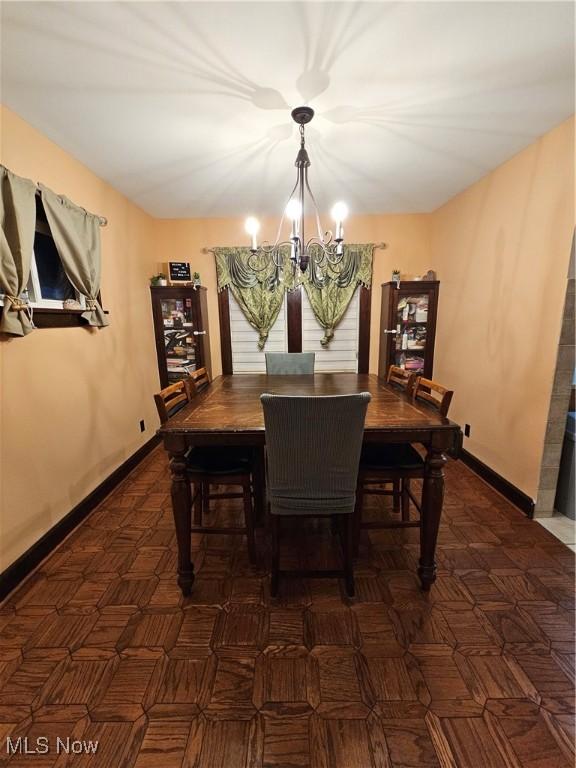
[(91, 304), (18, 305)]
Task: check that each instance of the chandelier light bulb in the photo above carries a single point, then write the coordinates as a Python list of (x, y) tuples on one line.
[(339, 211), (293, 209), (252, 227)]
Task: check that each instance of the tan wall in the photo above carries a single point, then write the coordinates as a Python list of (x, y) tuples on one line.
[(71, 399), (407, 237), (502, 249)]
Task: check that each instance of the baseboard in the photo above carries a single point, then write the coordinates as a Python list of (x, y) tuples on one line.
[(499, 483), (27, 562)]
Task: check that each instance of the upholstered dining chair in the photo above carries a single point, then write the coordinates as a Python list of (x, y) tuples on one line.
[(207, 466), (313, 449), (290, 362), (397, 463)]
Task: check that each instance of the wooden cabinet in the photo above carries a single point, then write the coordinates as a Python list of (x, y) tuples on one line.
[(181, 330), (408, 326)]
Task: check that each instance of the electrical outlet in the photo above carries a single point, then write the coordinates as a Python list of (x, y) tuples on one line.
[(142, 425), (467, 430)]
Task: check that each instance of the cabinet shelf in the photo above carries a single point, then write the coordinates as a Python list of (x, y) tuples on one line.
[(181, 331), (423, 293)]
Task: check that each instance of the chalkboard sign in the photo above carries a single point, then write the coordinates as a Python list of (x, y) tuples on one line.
[(179, 271)]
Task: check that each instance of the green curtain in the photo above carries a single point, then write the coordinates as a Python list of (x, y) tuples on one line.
[(256, 286), (329, 302), (18, 220), (76, 235)]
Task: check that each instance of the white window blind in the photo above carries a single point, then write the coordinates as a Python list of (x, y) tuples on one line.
[(246, 357), (341, 354)]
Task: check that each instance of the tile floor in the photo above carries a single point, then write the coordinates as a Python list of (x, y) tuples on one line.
[(562, 527)]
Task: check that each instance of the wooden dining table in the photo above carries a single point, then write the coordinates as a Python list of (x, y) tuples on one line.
[(229, 412)]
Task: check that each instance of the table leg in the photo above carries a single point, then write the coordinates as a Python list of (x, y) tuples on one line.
[(182, 509), (432, 498)]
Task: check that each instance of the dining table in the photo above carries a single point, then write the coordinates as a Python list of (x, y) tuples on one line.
[(229, 412)]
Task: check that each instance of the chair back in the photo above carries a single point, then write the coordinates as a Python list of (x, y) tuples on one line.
[(313, 448), (289, 362), (199, 380), (401, 378), (433, 393), (171, 399)]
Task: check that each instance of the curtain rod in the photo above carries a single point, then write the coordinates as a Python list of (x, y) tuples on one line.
[(102, 219), (376, 245)]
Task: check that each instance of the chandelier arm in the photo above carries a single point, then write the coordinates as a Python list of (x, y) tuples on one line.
[(277, 241), (328, 247), (316, 212)]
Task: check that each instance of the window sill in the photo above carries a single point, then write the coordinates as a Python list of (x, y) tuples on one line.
[(58, 318)]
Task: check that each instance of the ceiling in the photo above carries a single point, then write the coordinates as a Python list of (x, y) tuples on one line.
[(185, 106)]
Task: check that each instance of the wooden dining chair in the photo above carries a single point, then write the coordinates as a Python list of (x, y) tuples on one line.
[(282, 363), (207, 466), (313, 448), (397, 464), (199, 380), (404, 380), (401, 378), (432, 393)]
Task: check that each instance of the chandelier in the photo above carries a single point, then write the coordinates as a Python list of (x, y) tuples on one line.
[(316, 254)]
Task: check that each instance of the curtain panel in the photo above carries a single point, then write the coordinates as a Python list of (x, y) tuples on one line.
[(330, 302), (76, 235), (256, 286), (18, 219)]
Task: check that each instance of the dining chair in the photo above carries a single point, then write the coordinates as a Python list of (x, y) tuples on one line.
[(401, 378), (313, 448), (397, 464), (199, 379), (290, 362), (207, 466)]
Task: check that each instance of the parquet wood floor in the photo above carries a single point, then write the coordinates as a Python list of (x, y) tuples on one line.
[(99, 644)]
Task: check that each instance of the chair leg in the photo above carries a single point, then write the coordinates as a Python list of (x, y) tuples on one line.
[(249, 520), (198, 493), (396, 495), (275, 522), (405, 499), (349, 529), (357, 522)]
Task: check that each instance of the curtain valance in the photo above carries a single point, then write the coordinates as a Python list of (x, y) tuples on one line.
[(259, 290), (330, 302)]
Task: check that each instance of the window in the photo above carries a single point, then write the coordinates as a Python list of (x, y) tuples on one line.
[(246, 357), (48, 286)]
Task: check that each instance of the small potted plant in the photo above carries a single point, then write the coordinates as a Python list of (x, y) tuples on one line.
[(396, 277), (196, 279), (159, 279)]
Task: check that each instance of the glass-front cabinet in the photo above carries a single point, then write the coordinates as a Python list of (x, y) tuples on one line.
[(181, 330), (408, 326)]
